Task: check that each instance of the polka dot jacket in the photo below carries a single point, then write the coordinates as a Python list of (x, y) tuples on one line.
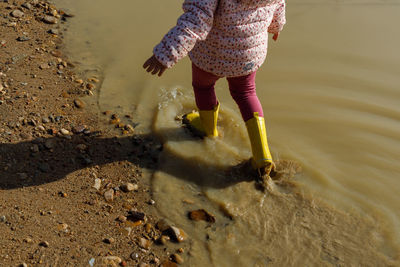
[(228, 38)]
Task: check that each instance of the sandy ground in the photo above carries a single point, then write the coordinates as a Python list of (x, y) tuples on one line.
[(71, 185)]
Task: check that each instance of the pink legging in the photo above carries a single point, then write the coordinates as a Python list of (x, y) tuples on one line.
[(242, 89)]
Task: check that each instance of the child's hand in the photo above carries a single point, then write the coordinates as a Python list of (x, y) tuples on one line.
[(275, 37), (152, 64)]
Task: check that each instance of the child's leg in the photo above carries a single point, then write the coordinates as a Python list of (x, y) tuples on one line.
[(203, 86), (243, 91)]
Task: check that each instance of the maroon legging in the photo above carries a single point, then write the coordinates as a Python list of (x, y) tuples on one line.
[(242, 89)]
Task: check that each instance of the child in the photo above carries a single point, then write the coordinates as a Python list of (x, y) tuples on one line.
[(224, 38)]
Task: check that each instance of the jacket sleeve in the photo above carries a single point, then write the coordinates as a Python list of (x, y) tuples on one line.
[(193, 25), (279, 18)]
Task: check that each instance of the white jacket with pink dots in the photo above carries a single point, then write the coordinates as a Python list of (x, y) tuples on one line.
[(224, 37)]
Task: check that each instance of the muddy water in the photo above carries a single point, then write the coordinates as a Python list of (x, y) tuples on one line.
[(330, 90)]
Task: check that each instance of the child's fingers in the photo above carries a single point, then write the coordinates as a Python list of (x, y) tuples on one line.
[(156, 69), (161, 72)]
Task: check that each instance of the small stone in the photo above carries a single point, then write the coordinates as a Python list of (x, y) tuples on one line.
[(144, 243), (115, 121), (45, 120), (151, 202), (97, 184), (3, 218), (27, 6), (64, 131), (123, 263), (201, 215), (90, 86), (44, 244), (109, 195), (62, 227), (129, 127), (23, 38), (181, 250), (128, 187), (79, 129), (136, 216), (109, 240), (23, 265), (178, 234), (50, 20), (17, 13), (41, 128), (28, 240), (122, 218), (25, 136), (134, 256), (54, 31), (148, 227), (177, 258), (44, 66), (164, 239), (79, 103), (62, 194), (111, 261), (162, 225)]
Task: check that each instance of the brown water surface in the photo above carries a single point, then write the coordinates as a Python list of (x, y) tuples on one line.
[(330, 89)]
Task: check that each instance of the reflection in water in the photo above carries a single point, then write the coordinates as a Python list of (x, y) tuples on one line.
[(330, 91)]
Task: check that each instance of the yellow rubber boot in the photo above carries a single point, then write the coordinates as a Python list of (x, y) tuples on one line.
[(204, 121), (262, 158)]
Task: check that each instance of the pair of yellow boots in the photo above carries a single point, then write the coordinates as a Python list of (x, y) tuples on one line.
[(205, 121)]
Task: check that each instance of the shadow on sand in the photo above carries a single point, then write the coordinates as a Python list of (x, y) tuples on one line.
[(44, 160)]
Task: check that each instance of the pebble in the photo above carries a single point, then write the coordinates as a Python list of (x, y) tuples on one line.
[(201, 215), (45, 120), (44, 244), (134, 256), (23, 265), (35, 148), (128, 187), (23, 38), (79, 129), (109, 195), (109, 240), (144, 243), (41, 128), (162, 225), (3, 218), (177, 258), (17, 13), (64, 131), (50, 20), (164, 239), (111, 261), (151, 202), (25, 136), (122, 218), (97, 184), (178, 234), (27, 5), (79, 103), (28, 240), (54, 31), (136, 216)]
